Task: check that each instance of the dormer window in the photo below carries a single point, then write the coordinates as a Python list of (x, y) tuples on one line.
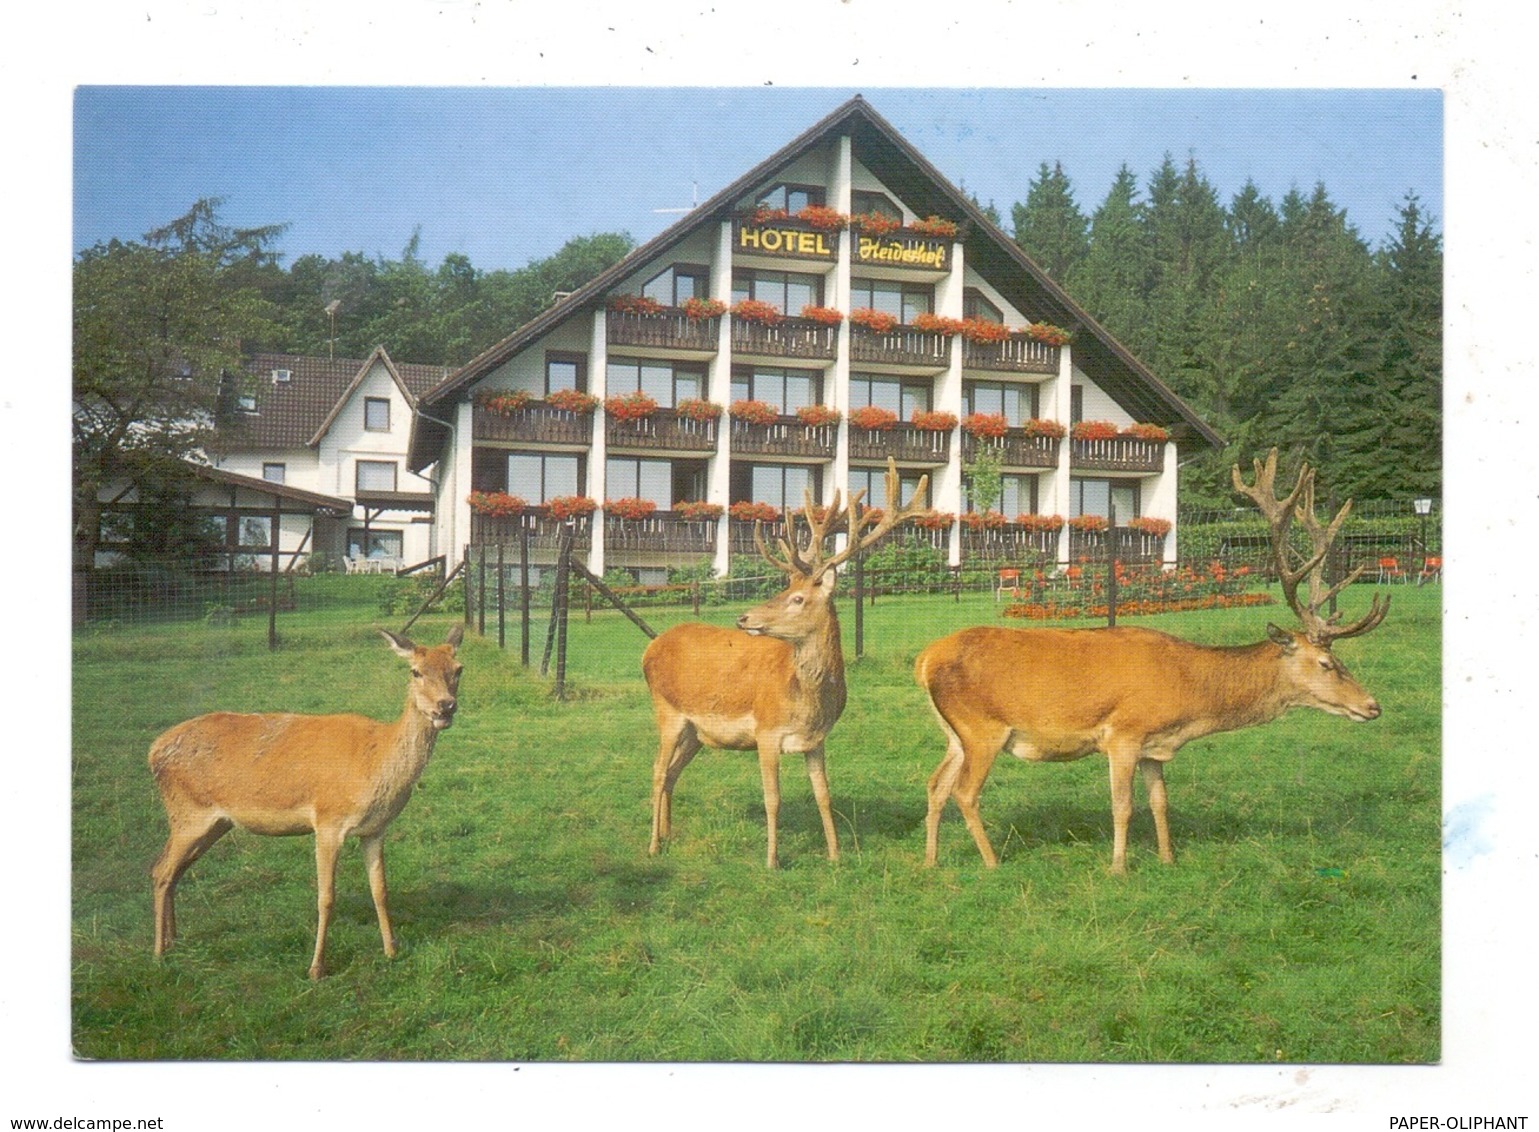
[(281, 376)]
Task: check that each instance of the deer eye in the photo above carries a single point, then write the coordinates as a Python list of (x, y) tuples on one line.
[(798, 599), (417, 673)]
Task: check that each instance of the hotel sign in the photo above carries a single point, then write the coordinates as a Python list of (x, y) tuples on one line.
[(786, 240), (907, 251)]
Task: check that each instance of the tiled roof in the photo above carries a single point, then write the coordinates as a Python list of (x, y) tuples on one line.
[(289, 413)]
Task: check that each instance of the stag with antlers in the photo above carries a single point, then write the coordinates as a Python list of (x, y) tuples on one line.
[(1137, 695), (774, 684)]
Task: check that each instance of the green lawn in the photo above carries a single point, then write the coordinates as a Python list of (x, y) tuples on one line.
[(1300, 924)]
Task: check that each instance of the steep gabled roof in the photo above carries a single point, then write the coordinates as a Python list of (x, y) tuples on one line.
[(296, 413), (893, 160)]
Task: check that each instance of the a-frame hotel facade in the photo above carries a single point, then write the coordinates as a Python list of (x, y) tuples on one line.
[(839, 304)]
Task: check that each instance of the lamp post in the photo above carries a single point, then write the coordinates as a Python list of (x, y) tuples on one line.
[(1423, 509)]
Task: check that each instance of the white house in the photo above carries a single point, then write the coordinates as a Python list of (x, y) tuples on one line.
[(841, 277)]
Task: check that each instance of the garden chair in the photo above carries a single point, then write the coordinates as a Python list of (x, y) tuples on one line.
[(1389, 571), (1008, 580), (1431, 570)]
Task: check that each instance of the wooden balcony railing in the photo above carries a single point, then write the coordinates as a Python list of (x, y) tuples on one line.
[(1010, 543), (788, 338), (544, 531), (788, 436), (669, 329), (1013, 355), (1118, 454), (740, 534), (1018, 449), (664, 429), (536, 421), (902, 345), (661, 531), (1130, 545), (901, 442)]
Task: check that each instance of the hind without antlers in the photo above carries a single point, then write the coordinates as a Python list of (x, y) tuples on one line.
[(281, 774), (776, 683)]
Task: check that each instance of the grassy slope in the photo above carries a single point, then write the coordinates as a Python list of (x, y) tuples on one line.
[(535, 926)]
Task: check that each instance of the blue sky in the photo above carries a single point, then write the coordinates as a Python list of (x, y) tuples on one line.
[(506, 175)]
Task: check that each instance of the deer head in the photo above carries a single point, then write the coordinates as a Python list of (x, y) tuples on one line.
[(800, 610)]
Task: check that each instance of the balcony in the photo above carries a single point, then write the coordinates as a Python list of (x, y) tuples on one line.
[(664, 430), (1018, 449), (788, 436), (1014, 355), (903, 346), (1011, 543), (659, 532), (799, 338), (535, 422), (544, 531), (1117, 454), (903, 442), (669, 329), (1130, 545)]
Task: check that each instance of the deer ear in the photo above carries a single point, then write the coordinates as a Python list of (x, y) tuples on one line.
[(399, 645), (1282, 637), (826, 581), (456, 635)]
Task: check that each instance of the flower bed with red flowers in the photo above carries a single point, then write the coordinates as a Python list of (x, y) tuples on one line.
[(873, 418), (633, 406), (823, 218), (498, 504), (933, 420), (570, 507), (634, 304), (938, 323), (934, 226), (750, 512), (879, 321), (698, 410), (1038, 427), (700, 309), (817, 416), (572, 401), (629, 508), (754, 412), (698, 510), (756, 310), (504, 404), (985, 426), (824, 316)]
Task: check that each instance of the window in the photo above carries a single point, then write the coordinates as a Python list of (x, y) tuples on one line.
[(873, 481), (373, 544), (274, 473), (788, 291), (565, 371), (1016, 402), (792, 198), (376, 414), (1096, 497), (1076, 404), (786, 389), (779, 485), (974, 305), (280, 376), (667, 383), (375, 475), (541, 477), (902, 397), (1017, 496), (904, 300), (867, 203), (254, 532), (677, 283), (664, 482), (246, 402)]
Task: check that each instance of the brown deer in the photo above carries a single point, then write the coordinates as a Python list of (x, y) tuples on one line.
[(1137, 695), (281, 774), (776, 685)]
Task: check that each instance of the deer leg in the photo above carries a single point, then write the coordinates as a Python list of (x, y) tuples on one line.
[(974, 772), (374, 859), (769, 773), (328, 843), (676, 749), (1122, 764), (817, 771), (1153, 771), (182, 848), (941, 784)]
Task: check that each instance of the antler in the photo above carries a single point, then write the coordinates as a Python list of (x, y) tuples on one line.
[(863, 526), (1293, 568)]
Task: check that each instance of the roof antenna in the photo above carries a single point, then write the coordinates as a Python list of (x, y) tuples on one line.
[(694, 202), (331, 314)]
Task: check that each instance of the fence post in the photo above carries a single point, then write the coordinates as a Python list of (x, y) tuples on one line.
[(481, 592), (1111, 567), (563, 602), (465, 581), (502, 605), (523, 584), (860, 605)]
